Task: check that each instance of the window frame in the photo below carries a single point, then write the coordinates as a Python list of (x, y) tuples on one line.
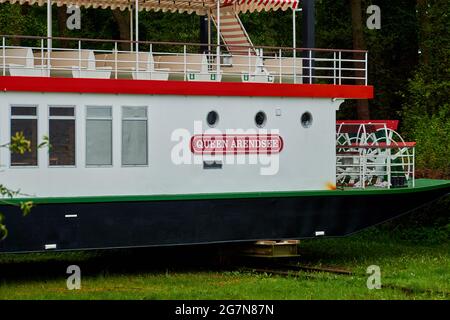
[(26, 117), (74, 117), (146, 119), (110, 118)]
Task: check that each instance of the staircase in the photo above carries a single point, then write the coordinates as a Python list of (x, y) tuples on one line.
[(233, 32)]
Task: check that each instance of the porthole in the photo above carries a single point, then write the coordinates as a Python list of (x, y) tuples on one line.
[(212, 118), (260, 119), (306, 120)]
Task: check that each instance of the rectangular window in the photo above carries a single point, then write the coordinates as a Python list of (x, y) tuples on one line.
[(134, 136), (98, 136), (62, 136), (24, 120)]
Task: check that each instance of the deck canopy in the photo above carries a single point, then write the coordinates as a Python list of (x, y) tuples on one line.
[(199, 7)]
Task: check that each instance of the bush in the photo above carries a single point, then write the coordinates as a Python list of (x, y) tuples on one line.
[(432, 134)]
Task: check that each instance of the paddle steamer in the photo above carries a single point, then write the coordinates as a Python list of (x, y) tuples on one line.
[(183, 143)]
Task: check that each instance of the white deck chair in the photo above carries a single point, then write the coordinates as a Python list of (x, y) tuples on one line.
[(196, 67), (249, 68), (19, 62), (75, 64), (284, 68), (140, 66)]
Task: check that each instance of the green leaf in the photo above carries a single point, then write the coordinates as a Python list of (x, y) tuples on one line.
[(26, 207), (3, 230), (19, 144), (45, 142), (6, 192)]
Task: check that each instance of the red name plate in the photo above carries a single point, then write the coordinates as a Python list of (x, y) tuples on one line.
[(236, 144)]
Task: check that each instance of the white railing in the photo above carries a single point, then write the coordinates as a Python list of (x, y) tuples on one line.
[(373, 154), (180, 61), (375, 166)]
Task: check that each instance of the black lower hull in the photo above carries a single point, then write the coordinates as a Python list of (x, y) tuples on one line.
[(156, 223)]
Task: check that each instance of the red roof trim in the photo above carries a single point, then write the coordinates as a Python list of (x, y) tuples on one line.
[(390, 124), (381, 145), (40, 84)]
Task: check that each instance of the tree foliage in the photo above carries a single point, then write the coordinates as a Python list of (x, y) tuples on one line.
[(426, 111)]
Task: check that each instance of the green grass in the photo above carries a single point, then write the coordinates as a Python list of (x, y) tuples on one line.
[(409, 270)]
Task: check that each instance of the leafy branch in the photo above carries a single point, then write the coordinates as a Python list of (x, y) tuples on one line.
[(19, 144)]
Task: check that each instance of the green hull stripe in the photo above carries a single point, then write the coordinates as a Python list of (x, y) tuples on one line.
[(421, 186)]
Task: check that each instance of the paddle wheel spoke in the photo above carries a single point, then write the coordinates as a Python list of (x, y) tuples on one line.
[(372, 153)]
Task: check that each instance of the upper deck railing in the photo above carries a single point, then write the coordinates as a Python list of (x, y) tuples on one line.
[(104, 59)]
